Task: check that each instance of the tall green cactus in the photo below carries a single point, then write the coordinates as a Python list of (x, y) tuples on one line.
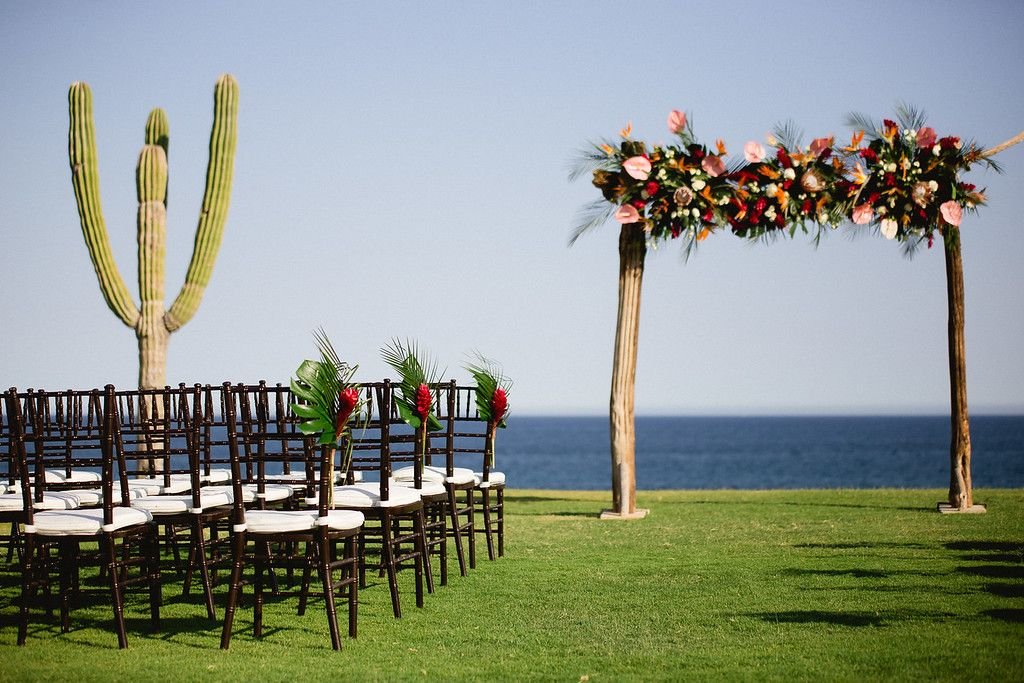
[(152, 324)]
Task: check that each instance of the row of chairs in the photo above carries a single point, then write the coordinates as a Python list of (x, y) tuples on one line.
[(112, 476)]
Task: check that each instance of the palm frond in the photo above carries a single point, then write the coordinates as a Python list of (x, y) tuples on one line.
[(588, 160), (788, 134), (859, 121), (909, 116), (489, 377), (414, 369), (319, 384), (591, 216)]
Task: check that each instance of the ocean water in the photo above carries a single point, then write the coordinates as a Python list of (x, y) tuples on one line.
[(760, 452)]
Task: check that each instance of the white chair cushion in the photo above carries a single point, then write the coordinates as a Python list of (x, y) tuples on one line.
[(154, 486), (52, 500), (367, 495), (86, 522), (460, 475), (343, 520), (493, 479), (77, 476), (273, 493), (429, 488), (278, 521), (217, 475), (171, 505)]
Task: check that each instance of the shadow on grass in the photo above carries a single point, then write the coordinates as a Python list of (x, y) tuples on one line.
[(511, 498), (995, 571), (1006, 590), (865, 545), (1015, 616), (591, 515), (850, 619)]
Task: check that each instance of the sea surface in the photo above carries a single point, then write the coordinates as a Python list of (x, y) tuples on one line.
[(760, 452)]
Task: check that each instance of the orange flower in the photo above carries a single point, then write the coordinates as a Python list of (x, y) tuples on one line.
[(720, 145), (703, 235), (855, 141), (608, 149), (625, 132)]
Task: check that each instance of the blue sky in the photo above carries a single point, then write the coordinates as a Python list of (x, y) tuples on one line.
[(402, 171)]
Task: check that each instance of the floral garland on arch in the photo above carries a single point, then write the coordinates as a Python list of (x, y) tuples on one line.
[(905, 181)]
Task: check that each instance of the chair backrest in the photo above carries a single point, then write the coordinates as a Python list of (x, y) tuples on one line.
[(266, 447), (156, 432), (471, 439), (369, 439), (73, 429)]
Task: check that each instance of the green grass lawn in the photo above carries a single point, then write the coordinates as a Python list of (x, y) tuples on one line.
[(726, 585)]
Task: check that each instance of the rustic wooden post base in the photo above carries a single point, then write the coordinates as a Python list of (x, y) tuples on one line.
[(947, 509), (638, 513)]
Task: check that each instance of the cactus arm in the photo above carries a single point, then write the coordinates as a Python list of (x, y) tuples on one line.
[(151, 184), (85, 180), (158, 132), (215, 203)]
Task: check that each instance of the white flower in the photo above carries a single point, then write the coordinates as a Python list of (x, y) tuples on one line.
[(891, 167), (933, 186), (695, 213), (771, 189), (698, 184), (889, 228), (882, 211), (789, 174), (770, 213), (936, 150)]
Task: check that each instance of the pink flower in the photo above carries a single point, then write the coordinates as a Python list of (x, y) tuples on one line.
[(423, 401), (676, 121), (926, 137), (819, 145), (753, 152), (499, 404), (627, 214), (951, 212), (713, 166), (862, 214), (347, 401), (637, 167)]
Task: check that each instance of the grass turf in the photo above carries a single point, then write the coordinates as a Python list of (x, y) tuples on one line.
[(727, 585)]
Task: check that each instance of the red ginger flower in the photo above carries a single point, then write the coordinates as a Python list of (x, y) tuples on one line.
[(423, 401), (347, 400), (499, 404)]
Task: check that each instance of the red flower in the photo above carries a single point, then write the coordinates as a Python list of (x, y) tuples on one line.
[(869, 154), (639, 204), (806, 206), (783, 158), (651, 188), (423, 401), (347, 400), (931, 240), (709, 216), (949, 142), (499, 404), (890, 180)]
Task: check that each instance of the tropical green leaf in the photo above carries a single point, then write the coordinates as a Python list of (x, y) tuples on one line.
[(408, 416), (303, 410)]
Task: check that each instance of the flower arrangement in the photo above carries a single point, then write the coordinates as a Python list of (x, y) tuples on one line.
[(909, 184), (492, 388), (906, 181), (671, 190), (414, 399), (328, 397), (791, 188)]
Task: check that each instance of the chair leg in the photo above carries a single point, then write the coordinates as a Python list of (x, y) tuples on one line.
[(453, 513), (307, 571), (109, 551), (422, 561), (388, 552), (352, 561), (198, 553), (328, 584), (487, 523), (67, 560), (470, 505), (501, 522), (260, 565), (152, 565), (235, 591)]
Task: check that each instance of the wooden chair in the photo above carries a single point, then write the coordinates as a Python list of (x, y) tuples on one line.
[(270, 442), (166, 434), (441, 482), (475, 442), (54, 538), (398, 527)]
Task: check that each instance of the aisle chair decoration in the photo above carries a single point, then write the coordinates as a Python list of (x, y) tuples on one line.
[(492, 389), (330, 398)]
